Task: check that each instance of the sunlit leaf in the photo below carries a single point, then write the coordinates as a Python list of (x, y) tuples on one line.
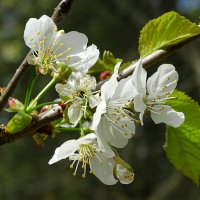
[(166, 31), (183, 144)]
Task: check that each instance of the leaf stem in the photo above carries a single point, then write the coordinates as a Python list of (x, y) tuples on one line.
[(29, 89), (68, 129), (43, 104), (45, 89)]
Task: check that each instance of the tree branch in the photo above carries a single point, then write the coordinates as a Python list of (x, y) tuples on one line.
[(56, 112), (60, 11), (37, 122), (151, 59), (155, 57)]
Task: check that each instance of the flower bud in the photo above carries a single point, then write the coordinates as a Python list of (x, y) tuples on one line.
[(123, 171), (104, 75), (15, 104), (45, 108), (12, 103)]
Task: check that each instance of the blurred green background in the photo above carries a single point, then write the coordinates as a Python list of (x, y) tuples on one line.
[(112, 25)]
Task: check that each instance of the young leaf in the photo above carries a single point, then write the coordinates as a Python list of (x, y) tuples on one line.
[(107, 63), (183, 144), (166, 31), (19, 121)]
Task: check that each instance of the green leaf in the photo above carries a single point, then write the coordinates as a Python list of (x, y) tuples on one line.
[(183, 144), (19, 121), (166, 31), (107, 63)]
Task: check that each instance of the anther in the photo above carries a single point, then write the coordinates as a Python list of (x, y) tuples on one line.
[(71, 166), (68, 58), (83, 175)]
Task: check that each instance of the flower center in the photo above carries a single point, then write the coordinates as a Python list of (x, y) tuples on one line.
[(156, 102), (49, 50), (85, 153), (81, 94), (120, 119)]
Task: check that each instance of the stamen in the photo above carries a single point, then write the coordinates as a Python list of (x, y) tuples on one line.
[(118, 126), (74, 174), (98, 159)]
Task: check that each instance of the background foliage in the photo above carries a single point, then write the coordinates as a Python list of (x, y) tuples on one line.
[(111, 25)]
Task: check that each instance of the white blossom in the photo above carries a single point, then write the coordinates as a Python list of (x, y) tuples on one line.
[(48, 46), (153, 94), (79, 93), (125, 175), (112, 122), (85, 150)]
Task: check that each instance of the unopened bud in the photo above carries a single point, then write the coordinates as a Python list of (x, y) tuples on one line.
[(104, 75), (63, 105), (45, 108), (125, 175), (123, 171), (14, 103)]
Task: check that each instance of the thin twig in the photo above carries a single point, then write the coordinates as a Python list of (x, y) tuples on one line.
[(151, 59), (60, 11), (155, 57)]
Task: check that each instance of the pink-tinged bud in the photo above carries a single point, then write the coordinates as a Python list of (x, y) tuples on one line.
[(15, 104), (104, 75), (45, 108), (12, 103), (63, 105)]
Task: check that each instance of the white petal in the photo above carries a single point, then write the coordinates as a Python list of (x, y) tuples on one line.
[(139, 78), (109, 87), (75, 41), (103, 144), (163, 82), (37, 29), (101, 108), (65, 150), (94, 100), (167, 115), (64, 89), (75, 112), (121, 124), (113, 134), (124, 175), (139, 106), (84, 61), (102, 168), (75, 75), (124, 91), (89, 138)]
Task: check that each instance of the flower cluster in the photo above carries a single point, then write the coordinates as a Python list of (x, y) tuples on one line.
[(112, 112), (113, 122)]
